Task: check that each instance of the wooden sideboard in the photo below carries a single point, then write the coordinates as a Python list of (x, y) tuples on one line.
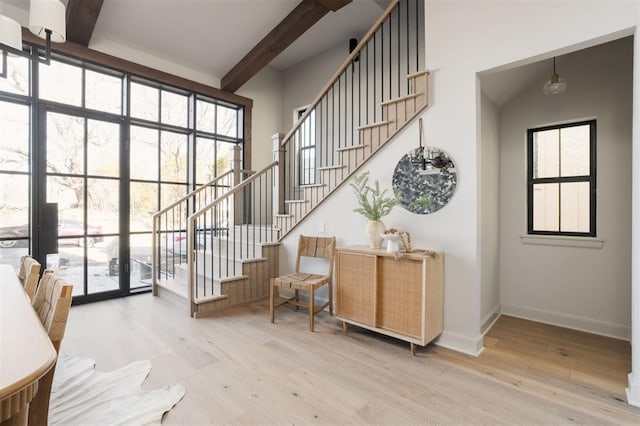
[(402, 297)]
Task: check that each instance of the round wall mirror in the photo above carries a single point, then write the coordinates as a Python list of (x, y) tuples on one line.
[(425, 180)]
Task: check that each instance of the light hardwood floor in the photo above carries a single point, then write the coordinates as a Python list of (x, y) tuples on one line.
[(238, 368)]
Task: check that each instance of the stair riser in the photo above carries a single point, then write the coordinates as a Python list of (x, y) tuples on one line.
[(402, 111), (420, 83), (207, 272), (332, 178), (241, 249)]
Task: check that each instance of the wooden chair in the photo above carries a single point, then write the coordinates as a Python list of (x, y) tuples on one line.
[(307, 247), (28, 275), (52, 305)]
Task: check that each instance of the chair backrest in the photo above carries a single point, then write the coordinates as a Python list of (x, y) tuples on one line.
[(52, 305), (320, 247), (29, 274)]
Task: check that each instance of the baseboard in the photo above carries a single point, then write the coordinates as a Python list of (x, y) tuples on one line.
[(461, 343), (490, 319), (633, 390), (569, 321)]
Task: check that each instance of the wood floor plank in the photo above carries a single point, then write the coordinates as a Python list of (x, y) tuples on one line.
[(238, 368)]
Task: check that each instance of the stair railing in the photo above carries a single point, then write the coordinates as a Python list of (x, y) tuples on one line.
[(169, 225), (375, 71), (229, 232)]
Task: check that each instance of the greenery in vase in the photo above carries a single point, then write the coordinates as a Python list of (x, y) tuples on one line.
[(372, 201)]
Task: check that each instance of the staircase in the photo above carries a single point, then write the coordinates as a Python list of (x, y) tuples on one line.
[(396, 114), (223, 251)]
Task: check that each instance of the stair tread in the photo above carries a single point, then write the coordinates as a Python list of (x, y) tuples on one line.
[(211, 298), (377, 124), (313, 185), (286, 215), (236, 259), (339, 166), (296, 201), (349, 148), (400, 99), (418, 74)]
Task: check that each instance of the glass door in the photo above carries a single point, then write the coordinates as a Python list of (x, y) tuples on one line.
[(81, 172)]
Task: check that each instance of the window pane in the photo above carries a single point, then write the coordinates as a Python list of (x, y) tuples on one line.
[(103, 148), (206, 116), (227, 121), (144, 102), (68, 192), (61, 82), (546, 162), (307, 132), (575, 151), (65, 144), (574, 207), (144, 153), (141, 260), (14, 210), (143, 203), (103, 202), (171, 193), (14, 143), (17, 80), (224, 157), (173, 157), (205, 160), (545, 207), (175, 109), (103, 92)]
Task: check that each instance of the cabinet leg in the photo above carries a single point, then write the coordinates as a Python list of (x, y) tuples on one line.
[(344, 327), (413, 349)]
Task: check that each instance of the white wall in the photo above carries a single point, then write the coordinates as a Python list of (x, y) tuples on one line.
[(265, 88), (582, 288), (303, 82), (489, 210), (458, 48)]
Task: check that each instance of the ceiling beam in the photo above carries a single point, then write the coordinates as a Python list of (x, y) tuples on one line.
[(82, 16), (305, 14)]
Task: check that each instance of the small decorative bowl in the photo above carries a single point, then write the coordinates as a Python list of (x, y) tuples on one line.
[(392, 242)]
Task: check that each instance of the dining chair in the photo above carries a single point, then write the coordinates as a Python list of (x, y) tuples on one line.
[(52, 305), (28, 275), (313, 247)]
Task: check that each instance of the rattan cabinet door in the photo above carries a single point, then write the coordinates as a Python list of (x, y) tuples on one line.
[(355, 287), (400, 295)]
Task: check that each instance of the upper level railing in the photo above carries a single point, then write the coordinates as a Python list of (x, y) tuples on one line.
[(373, 73)]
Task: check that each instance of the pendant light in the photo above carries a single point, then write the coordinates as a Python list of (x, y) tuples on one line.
[(555, 84), (46, 20)]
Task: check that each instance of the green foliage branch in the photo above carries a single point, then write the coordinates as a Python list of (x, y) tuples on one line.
[(372, 201)]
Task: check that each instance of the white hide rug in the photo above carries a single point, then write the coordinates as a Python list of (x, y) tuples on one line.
[(80, 395)]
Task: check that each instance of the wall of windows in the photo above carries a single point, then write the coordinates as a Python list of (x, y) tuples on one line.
[(108, 149)]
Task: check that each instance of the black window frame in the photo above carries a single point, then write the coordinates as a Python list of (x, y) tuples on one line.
[(591, 178)]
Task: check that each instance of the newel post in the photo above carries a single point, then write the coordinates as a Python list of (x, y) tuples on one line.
[(236, 164), (278, 181)]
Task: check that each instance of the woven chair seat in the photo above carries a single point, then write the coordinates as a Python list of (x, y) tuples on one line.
[(301, 281), (318, 247)]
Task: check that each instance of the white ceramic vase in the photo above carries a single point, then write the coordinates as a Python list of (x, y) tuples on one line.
[(373, 229)]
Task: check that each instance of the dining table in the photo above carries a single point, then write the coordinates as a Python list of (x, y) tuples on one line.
[(26, 352)]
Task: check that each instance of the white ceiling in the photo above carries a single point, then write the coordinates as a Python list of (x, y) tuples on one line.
[(211, 36)]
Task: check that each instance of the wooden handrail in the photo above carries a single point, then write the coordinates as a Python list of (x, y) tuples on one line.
[(234, 190), (381, 20), (191, 194)]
